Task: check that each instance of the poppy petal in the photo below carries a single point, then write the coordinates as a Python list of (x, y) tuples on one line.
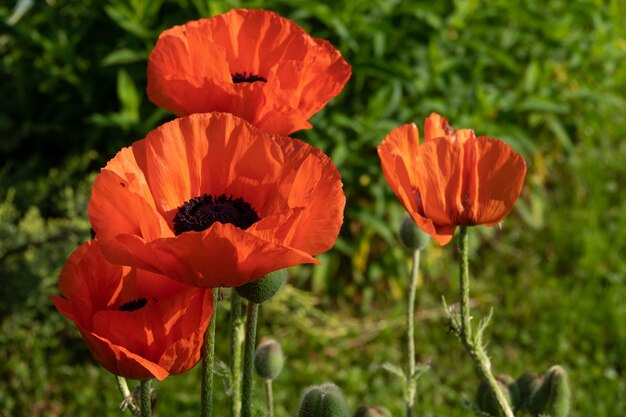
[(119, 360), (221, 256), (440, 180), (499, 175)]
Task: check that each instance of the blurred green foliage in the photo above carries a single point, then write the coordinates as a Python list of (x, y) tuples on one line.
[(547, 77)]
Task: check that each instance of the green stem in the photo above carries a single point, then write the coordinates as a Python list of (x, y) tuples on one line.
[(248, 359), (128, 402), (270, 398), (144, 395), (466, 327), (476, 350), (410, 324), (208, 358), (237, 335)]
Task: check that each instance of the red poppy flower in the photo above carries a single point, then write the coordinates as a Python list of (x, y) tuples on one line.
[(453, 178), (137, 324), (209, 200), (251, 63)]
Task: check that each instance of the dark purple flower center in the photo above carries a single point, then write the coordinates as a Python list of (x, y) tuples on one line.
[(134, 305), (244, 77), (200, 213)]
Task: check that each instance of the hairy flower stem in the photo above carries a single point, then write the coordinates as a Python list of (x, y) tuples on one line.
[(208, 358), (127, 402), (145, 403), (411, 382), (270, 398), (236, 342), (248, 359), (475, 350)]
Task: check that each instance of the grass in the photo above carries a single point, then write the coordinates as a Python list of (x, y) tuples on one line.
[(547, 77)]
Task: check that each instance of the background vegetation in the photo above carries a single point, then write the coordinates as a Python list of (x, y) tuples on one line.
[(547, 77)]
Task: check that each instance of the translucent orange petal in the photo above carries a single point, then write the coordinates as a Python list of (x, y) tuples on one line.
[(436, 126), (498, 173), (440, 179), (221, 256), (398, 155), (119, 360)]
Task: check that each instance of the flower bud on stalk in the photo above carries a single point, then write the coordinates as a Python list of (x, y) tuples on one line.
[(412, 236), (269, 359), (527, 384), (486, 400), (324, 400), (265, 288), (553, 396)]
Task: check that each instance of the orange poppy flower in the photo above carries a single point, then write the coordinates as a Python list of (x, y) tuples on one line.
[(137, 324), (211, 201), (251, 63), (453, 179)]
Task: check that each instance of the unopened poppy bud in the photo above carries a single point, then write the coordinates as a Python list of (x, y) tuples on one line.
[(553, 396), (412, 236), (269, 359), (487, 401), (324, 400), (527, 384), (372, 411), (265, 288)]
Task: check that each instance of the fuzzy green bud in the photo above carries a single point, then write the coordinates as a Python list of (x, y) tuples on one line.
[(269, 359), (324, 400), (487, 401), (372, 411), (264, 288), (527, 384), (412, 236), (553, 396)]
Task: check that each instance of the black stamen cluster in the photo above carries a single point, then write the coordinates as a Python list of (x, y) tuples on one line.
[(244, 77), (200, 213), (134, 305)]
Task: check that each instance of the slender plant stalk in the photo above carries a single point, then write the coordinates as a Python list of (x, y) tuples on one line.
[(208, 358), (248, 359), (237, 335), (128, 402), (476, 350), (145, 401), (410, 324), (270, 398)]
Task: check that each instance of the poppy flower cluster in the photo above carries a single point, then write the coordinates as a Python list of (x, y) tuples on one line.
[(453, 179), (210, 199)]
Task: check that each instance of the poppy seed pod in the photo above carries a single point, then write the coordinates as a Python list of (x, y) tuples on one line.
[(553, 396), (265, 288), (412, 236), (372, 411), (487, 401), (269, 359), (324, 400)]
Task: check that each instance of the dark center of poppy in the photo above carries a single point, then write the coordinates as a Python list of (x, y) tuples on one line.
[(200, 213), (134, 305), (244, 77)]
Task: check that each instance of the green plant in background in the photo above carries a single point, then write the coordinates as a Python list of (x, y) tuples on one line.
[(546, 77)]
